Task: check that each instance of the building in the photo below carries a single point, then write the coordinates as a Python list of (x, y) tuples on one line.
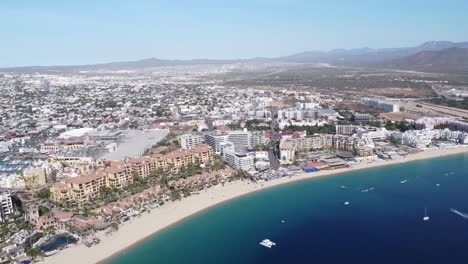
[(190, 141), (386, 106), (240, 139), (345, 129), (363, 118), (134, 143), (215, 140), (119, 174), (257, 138), (287, 151), (241, 161), (34, 177), (6, 204)]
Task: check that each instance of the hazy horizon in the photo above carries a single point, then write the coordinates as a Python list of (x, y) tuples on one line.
[(53, 32)]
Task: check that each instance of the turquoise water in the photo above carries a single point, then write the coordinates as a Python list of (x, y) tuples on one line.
[(383, 225)]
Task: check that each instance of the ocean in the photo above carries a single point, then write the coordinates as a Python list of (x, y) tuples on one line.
[(310, 223)]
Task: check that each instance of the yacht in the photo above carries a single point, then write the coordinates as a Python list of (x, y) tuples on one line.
[(267, 243), (346, 203), (425, 218)]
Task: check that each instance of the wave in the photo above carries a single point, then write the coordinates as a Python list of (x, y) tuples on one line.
[(464, 215)]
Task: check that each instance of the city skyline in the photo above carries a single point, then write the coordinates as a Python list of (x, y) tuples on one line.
[(55, 33)]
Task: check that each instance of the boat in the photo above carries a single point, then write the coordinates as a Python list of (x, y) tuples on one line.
[(404, 181), (267, 243), (346, 203), (437, 185), (282, 221), (425, 218), (343, 187), (464, 215)]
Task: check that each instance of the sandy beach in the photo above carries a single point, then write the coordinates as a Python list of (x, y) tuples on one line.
[(147, 225)]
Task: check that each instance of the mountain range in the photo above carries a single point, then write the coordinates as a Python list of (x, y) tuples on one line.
[(438, 56)]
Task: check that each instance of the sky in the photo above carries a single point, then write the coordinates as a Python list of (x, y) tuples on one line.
[(58, 32)]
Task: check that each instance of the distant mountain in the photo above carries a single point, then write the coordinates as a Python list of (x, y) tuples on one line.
[(349, 57), (127, 65), (368, 55), (446, 60)]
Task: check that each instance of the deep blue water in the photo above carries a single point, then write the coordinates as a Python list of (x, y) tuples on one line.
[(380, 226)]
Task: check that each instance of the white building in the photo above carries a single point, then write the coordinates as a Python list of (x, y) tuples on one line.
[(257, 138), (239, 161), (6, 205), (261, 155), (216, 141), (287, 151), (240, 138), (345, 129), (389, 107), (190, 141)]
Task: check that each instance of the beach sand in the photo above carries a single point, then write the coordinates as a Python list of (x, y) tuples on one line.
[(146, 225)]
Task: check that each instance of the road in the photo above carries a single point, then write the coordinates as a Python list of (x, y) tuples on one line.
[(272, 151)]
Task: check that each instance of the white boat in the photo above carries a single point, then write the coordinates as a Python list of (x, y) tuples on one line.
[(425, 218), (404, 181), (464, 215), (343, 187), (346, 203), (267, 243), (437, 185), (282, 221)]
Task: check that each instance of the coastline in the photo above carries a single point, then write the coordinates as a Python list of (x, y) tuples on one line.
[(139, 229)]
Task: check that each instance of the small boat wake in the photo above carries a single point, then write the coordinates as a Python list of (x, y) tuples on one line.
[(368, 190), (464, 215)]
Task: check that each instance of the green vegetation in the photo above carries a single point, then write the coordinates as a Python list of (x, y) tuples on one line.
[(44, 194), (255, 125), (325, 129), (43, 210), (34, 252), (463, 104), (114, 226), (395, 141), (449, 126), (401, 126)]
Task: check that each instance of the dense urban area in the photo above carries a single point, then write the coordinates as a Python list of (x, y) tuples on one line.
[(83, 152)]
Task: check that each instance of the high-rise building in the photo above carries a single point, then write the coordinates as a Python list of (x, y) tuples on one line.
[(345, 129), (190, 141), (241, 161), (216, 141), (6, 204)]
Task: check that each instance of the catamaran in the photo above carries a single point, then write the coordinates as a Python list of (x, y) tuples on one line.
[(267, 243)]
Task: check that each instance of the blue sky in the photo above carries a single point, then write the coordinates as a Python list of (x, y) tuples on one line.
[(60, 32)]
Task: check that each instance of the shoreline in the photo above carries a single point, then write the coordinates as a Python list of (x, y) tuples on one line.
[(148, 225)]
